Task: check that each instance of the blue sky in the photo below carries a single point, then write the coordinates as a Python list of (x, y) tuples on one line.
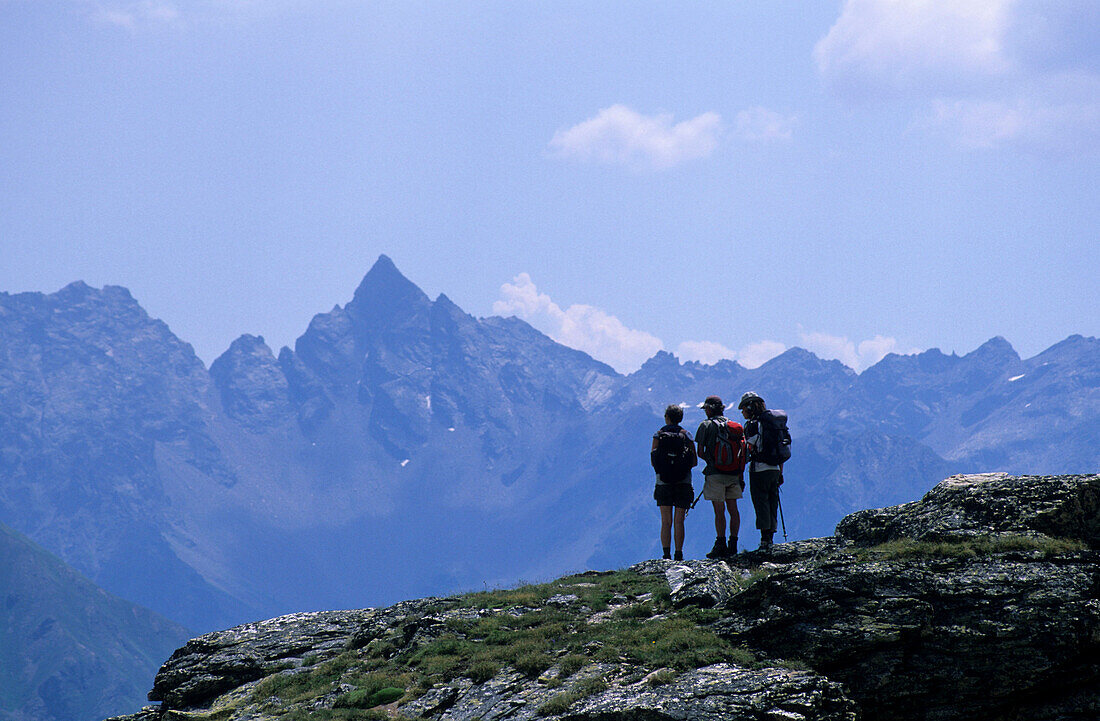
[(718, 179)]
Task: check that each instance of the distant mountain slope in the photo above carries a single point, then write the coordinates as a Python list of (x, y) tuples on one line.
[(405, 448), (95, 398), (68, 650)]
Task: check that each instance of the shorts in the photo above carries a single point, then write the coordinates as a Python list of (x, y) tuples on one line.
[(723, 487), (674, 494)]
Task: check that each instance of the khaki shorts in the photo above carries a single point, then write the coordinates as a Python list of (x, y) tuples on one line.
[(721, 487)]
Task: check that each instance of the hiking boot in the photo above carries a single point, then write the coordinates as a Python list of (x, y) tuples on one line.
[(766, 540), (666, 555), (731, 548), (719, 550), (679, 556)]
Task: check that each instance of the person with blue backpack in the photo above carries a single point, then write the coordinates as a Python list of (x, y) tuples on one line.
[(673, 456), (721, 443), (769, 444)]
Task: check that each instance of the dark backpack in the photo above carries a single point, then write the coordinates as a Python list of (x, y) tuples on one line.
[(728, 454), (673, 458), (775, 439)]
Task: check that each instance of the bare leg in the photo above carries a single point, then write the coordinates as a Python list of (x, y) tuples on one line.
[(666, 526), (679, 526), (719, 519), (735, 518)]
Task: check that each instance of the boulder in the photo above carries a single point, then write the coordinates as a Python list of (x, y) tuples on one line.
[(945, 623), (969, 506), (207, 666)]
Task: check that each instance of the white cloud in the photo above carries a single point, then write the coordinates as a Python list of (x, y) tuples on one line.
[(753, 355), (886, 45), (984, 73), (1049, 124), (143, 15), (980, 123), (584, 327), (761, 124), (757, 354), (606, 338), (132, 15), (622, 136), (858, 357), (704, 351)]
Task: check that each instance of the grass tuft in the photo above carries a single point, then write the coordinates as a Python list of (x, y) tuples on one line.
[(973, 548)]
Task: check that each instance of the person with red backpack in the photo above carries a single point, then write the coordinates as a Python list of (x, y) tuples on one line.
[(673, 456), (721, 443)]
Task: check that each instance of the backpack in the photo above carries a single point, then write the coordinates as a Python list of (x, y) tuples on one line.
[(673, 458), (728, 454), (775, 439)]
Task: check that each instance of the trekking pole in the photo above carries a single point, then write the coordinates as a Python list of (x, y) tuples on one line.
[(695, 501), (779, 502)]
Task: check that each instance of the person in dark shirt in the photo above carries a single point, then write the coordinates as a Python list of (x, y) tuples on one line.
[(673, 494), (764, 478)]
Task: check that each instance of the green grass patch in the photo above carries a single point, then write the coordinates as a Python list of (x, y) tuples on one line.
[(482, 671), (525, 634), (661, 678), (558, 704), (342, 714), (572, 663), (973, 548)]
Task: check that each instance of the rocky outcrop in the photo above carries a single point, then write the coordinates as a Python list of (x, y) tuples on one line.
[(984, 603), (966, 507), (254, 390), (719, 691), (218, 662), (942, 638), (979, 602)]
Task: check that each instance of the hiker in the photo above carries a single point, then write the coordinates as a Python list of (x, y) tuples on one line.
[(673, 457), (721, 443), (764, 434)]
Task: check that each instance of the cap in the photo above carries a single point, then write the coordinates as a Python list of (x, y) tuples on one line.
[(713, 402), (747, 398)]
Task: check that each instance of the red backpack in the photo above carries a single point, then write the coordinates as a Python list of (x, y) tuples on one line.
[(729, 448)]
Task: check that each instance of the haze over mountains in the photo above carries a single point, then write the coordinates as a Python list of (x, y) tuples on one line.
[(405, 448), (68, 650)]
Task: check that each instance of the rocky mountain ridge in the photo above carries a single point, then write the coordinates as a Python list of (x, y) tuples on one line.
[(400, 428), (981, 601)]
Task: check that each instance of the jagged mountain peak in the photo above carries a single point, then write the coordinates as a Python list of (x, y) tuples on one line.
[(994, 349), (801, 358), (244, 346), (662, 359), (77, 286), (443, 302), (384, 289), (1073, 345), (79, 293)]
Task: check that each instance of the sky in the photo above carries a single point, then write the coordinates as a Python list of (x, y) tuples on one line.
[(715, 179)]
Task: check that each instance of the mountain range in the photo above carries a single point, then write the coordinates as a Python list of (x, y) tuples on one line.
[(405, 448), (69, 651)]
